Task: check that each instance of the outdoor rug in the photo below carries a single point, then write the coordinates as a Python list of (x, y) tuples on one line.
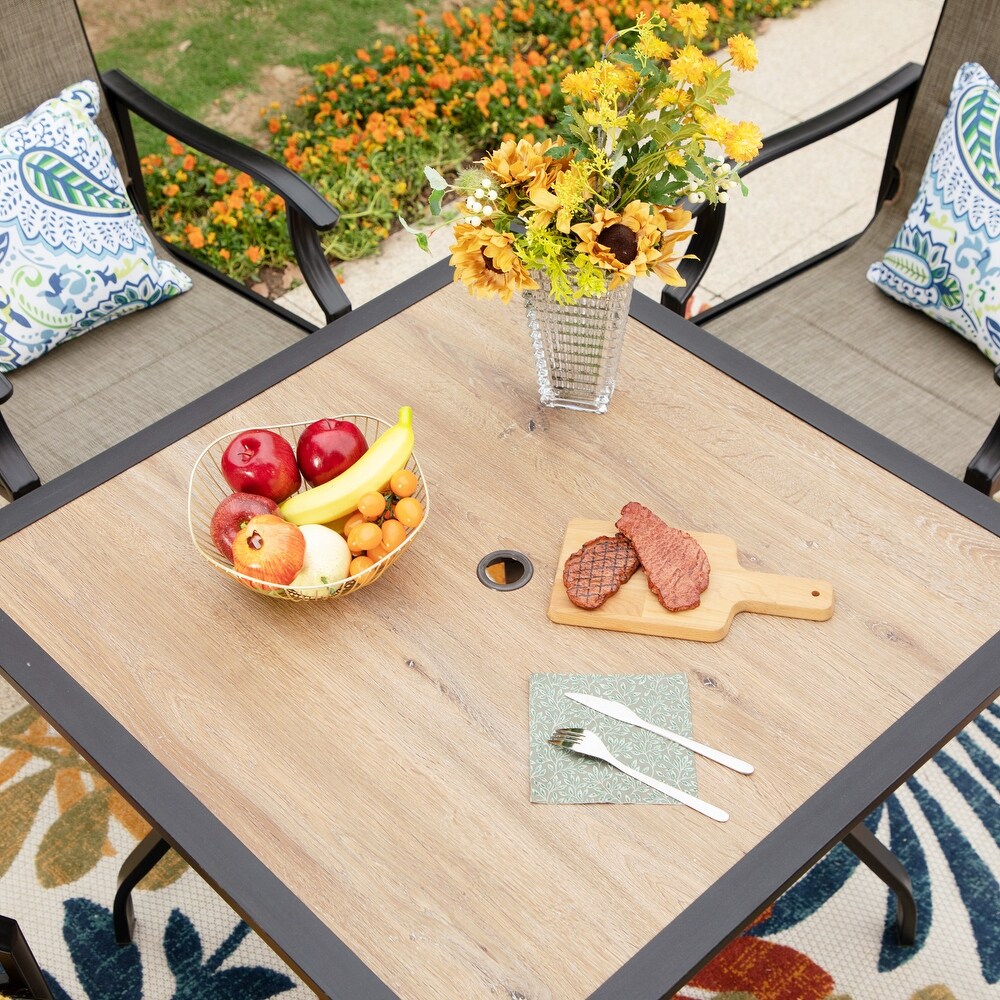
[(64, 833)]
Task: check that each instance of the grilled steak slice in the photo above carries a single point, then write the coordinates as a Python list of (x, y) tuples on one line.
[(594, 572), (676, 565)]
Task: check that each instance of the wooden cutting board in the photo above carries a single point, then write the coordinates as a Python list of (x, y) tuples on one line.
[(731, 589)]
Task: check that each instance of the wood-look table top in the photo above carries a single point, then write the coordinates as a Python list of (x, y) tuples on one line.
[(372, 752)]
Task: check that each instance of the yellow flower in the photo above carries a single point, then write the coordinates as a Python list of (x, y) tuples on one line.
[(571, 189), (716, 127), (675, 158), (614, 80), (688, 66), (523, 163), (579, 85), (604, 81), (632, 243), (743, 52), (673, 96), (605, 117), (690, 18), (743, 141), (651, 46), (485, 262)]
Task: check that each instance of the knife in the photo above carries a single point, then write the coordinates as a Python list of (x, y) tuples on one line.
[(618, 711)]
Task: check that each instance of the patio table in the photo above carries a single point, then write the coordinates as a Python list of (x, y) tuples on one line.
[(352, 775)]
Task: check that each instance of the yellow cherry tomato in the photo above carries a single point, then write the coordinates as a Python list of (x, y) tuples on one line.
[(403, 483), (377, 551), (372, 506), (359, 564), (354, 519), (409, 511), (364, 536), (393, 532)]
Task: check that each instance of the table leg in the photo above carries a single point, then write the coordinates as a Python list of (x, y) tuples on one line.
[(135, 868), (23, 976), (872, 852)]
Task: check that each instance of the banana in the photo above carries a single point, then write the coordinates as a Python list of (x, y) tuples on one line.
[(368, 474)]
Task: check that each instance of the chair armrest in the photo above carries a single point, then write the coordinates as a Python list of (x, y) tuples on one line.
[(17, 477), (983, 472), (899, 86), (307, 210)]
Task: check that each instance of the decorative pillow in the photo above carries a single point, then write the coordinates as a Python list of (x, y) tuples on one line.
[(73, 253), (945, 260)]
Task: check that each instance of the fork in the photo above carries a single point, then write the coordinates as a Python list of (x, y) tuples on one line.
[(585, 742)]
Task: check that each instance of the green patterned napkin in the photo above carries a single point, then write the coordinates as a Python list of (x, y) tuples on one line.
[(564, 776)]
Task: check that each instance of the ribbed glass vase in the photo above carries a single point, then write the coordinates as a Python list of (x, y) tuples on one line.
[(577, 345)]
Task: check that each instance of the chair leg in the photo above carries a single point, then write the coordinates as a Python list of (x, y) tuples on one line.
[(873, 853), (24, 977), (135, 868)]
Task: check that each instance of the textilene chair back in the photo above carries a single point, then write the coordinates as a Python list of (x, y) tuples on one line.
[(832, 332), (968, 31), (44, 48)]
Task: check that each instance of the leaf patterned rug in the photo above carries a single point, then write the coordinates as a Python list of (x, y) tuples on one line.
[(64, 833)]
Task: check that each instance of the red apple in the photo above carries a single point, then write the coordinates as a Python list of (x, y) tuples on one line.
[(263, 463), (232, 514), (328, 447), (269, 549)]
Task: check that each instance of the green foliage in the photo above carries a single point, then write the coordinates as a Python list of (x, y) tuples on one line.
[(364, 130)]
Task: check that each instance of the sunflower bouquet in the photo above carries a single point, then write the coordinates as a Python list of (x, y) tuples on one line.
[(600, 204)]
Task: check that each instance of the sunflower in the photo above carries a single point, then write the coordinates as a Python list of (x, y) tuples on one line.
[(673, 225), (486, 263), (633, 242), (524, 164)]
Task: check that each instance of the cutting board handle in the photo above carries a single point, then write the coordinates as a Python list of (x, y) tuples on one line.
[(788, 596)]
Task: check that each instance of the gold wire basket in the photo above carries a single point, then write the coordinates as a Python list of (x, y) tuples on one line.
[(208, 488)]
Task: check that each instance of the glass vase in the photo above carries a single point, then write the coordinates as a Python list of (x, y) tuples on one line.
[(577, 345)]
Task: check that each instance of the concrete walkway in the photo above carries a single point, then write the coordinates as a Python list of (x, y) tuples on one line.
[(796, 206)]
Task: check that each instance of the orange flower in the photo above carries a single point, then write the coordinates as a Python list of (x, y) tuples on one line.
[(224, 254), (170, 190), (255, 254), (195, 236), (220, 176), (189, 162), (175, 147), (243, 181)]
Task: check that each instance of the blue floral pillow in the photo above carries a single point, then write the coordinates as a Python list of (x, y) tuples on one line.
[(73, 253), (945, 260)]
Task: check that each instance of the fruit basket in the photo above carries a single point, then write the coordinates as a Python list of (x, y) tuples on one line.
[(208, 488)]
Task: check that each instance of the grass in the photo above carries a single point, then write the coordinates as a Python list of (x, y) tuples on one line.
[(231, 41)]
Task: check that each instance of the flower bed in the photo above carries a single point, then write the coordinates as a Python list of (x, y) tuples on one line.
[(364, 130)]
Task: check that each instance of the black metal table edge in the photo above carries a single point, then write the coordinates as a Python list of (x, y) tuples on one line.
[(252, 889), (834, 423), (722, 912), (275, 912), (761, 876)]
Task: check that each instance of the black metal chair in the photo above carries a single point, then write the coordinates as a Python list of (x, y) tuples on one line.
[(826, 328), (21, 976), (94, 391)]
